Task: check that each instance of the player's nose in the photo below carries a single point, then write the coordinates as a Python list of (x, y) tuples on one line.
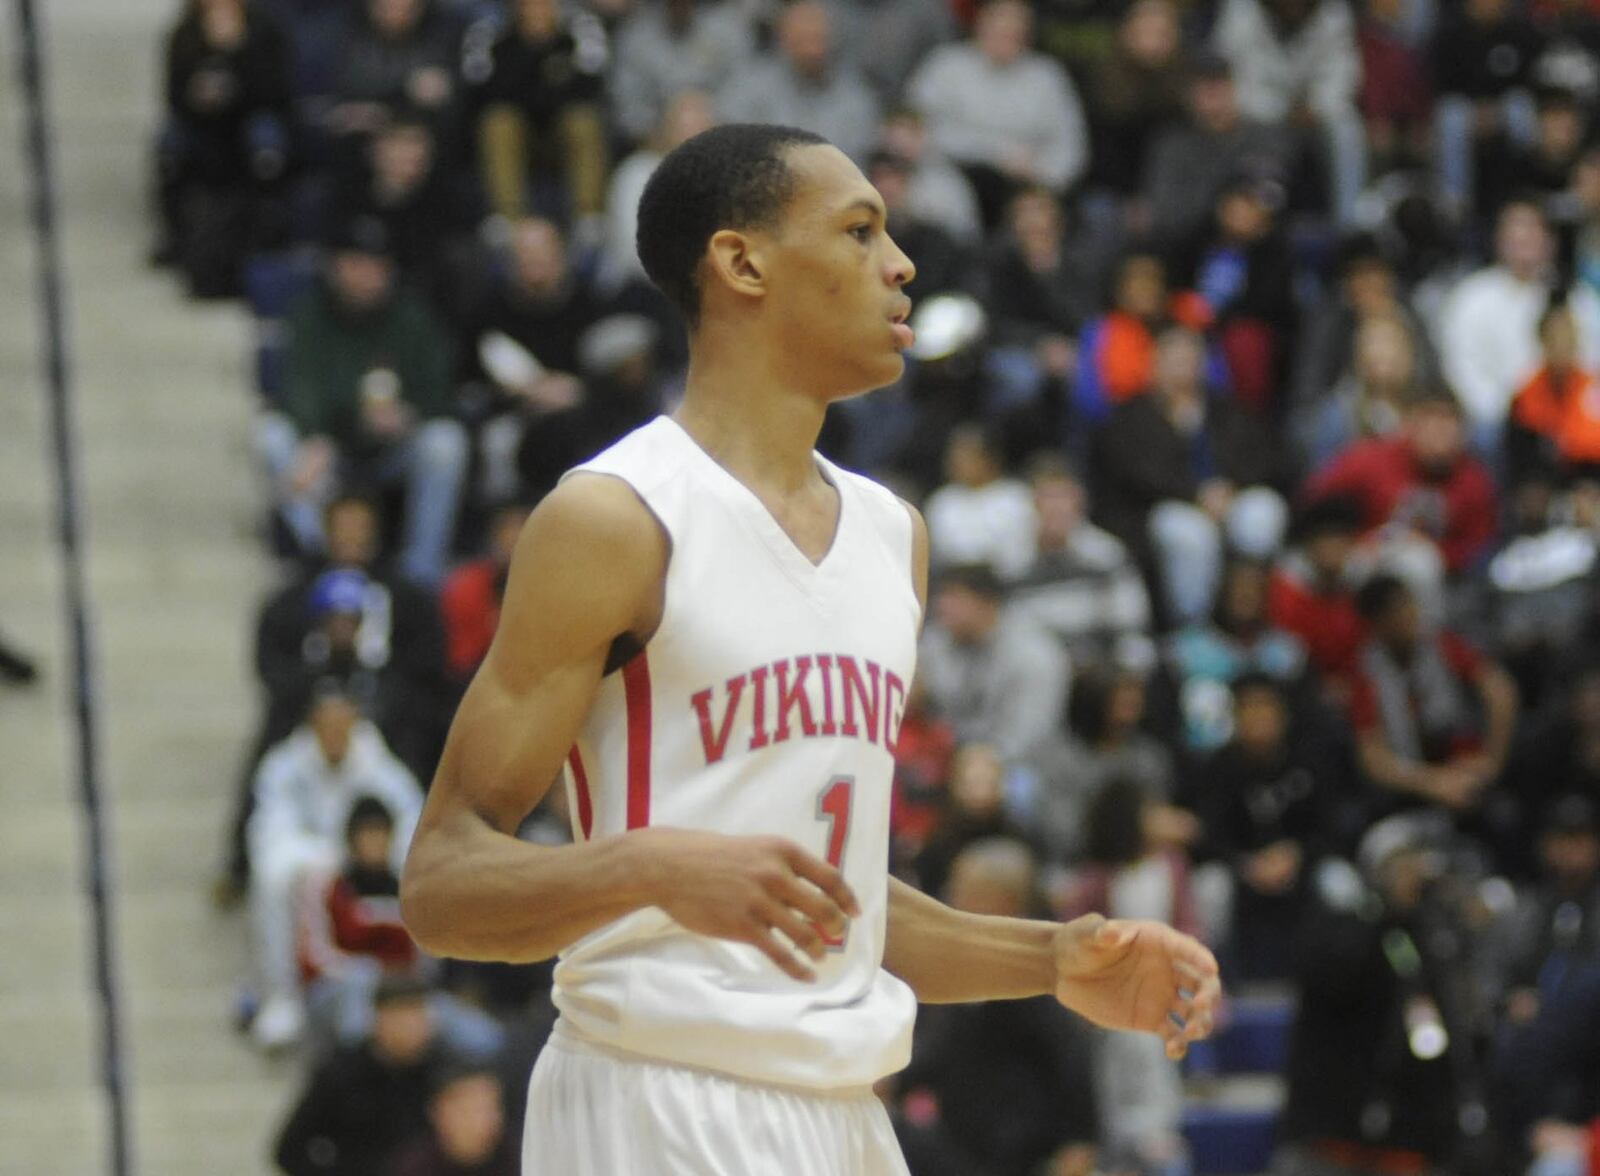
[(900, 268)]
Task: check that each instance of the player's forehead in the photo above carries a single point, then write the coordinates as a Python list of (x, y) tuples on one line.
[(828, 185)]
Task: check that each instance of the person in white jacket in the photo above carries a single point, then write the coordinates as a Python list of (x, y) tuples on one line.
[(305, 789)]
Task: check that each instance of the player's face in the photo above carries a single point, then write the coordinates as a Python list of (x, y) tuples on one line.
[(835, 278)]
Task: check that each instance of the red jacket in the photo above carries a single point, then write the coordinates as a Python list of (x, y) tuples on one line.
[(1330, 626), (339, 923), (469, 603), (1457, 512)]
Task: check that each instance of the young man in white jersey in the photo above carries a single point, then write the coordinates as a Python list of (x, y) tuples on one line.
[(709, 631)]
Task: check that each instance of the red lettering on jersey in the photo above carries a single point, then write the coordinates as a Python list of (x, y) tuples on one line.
[(893, 711), (759, 737), (854, 689), (789, 698), (825, 667), (716, 745)]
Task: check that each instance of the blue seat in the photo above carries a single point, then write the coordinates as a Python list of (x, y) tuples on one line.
[(1225, 1141), (1255, 1040)]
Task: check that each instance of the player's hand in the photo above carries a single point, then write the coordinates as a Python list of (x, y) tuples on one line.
[(756, 890), (1137, 974)]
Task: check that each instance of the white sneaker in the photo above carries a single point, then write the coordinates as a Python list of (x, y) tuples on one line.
[(279, 1023)]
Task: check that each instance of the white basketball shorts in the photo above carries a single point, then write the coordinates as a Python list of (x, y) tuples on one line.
[(596, 1112)]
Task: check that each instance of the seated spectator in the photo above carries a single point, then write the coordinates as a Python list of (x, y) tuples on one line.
[(1584, 219), (1037, 295), (1541, 169), (467, 1133), (1189, 163), (368, 399), (1488, 330), (469, 603), (1557, 923), (666, 47), (974, 809), (1133, 94), (1428, 506), (1558, 755), (886, 40), (924, 750), (1296, 64), (1002, 1087), (398, 53), (540, 112), (1368, 288), (805, 84), (1241, 268), (224, 139), (1395, 98), (1102, 742), (1203, 660), (1371, 399), (944, 262), (1008, 116), (1082, 586), (1383, 1041), (305, 791), (991, 673), (363, 1103), (937, 191), (979, 515), (689, 113), (1179, 470), (429, 215), (1117, 350), (1483, 56), (1433, 718), (1312, 593), (1270, 807), (1555, 417), (1128, 874)]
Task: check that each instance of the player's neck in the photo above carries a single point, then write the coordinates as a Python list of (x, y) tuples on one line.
[(747, 417)]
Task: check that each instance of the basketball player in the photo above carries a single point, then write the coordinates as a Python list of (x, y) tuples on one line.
[(711, 630)]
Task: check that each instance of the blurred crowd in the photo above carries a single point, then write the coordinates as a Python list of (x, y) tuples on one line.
[(1255, 413)]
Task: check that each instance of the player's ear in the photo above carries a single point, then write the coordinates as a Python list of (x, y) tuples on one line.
[(735, 260)]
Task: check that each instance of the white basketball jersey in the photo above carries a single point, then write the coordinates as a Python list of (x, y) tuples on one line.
[(767, 702)]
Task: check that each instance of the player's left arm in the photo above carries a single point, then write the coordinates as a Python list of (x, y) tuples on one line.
[(1119, 973)]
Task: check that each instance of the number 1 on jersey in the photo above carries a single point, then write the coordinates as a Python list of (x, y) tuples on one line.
[(833, 806)]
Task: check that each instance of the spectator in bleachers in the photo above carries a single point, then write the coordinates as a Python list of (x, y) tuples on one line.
[(1006, 1087), (469, 602), (944, 262), (364, 1102), (1201, 661), (980, 515), (923, 752), (994, 675), (1038, 293), (1488, 331), (429, 215), (1554, 426), (1271, 803), (1483, 57), (1396, 97), (1007, 115), (397, 53), (939, 193), (305, 790), (1584, 213), (1131, 874), (805, 83), (1433, 717), (1189, 163), (686, 115), (1134, 94), (1558, 753), (1312, 593), (368, 397), (1382, 1063), (1082, 586), (1540, 169), (1183, 471), (1102, 741), (886, 39), (665, 47), (467, 1133), (1371, 398), (540, 112), (224, 140), (1296, 63), (1241, 266), (974, 808), (1557, 925)]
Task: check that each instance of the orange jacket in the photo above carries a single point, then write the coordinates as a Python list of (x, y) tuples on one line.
[(1567, 411)]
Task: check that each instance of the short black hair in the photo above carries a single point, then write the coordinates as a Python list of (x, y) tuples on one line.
[(1379, 595), (978, 578), (368, 810), (730, 177)]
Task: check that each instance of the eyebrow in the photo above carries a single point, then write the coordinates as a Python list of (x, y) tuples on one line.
[(873, 206)]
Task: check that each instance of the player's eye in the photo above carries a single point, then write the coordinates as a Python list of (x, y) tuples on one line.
[(862, 233)]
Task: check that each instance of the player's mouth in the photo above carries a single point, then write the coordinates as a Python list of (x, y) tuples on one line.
[(903, 337)]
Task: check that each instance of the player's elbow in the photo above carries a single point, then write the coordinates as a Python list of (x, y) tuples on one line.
[(419, 903)]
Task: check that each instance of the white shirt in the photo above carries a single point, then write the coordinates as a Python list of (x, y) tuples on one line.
[(993, 524)]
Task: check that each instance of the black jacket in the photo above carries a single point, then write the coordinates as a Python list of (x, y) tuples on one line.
[(356, 1113)]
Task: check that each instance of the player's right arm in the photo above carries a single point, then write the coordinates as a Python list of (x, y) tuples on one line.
[(589, 567)]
